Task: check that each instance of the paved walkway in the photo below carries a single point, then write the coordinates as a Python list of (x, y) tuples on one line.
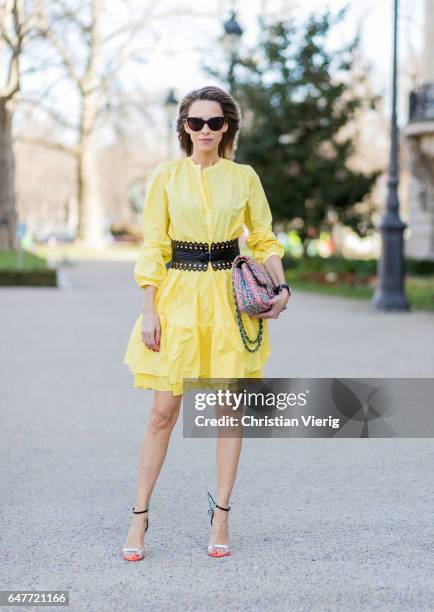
[(316, 524)]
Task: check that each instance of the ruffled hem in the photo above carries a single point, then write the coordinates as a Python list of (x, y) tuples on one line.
[(161, 383), (199, 334)]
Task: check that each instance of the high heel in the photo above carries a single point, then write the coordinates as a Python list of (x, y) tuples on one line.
[(130, 553), (224, 549)]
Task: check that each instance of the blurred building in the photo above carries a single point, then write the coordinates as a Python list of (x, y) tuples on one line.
[(420, 135)]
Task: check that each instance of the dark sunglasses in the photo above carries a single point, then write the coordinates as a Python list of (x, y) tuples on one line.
[(197, 123)]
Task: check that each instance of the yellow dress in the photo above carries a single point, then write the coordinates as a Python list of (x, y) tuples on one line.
[(199, 333)]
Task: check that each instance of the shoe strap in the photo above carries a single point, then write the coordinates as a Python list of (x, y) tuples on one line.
[(133, 549), (221, 508), (139, 511), (213, 504)]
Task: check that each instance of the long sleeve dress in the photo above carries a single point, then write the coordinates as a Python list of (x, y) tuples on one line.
[(199, 333)]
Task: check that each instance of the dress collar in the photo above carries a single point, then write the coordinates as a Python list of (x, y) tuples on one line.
[(199, 168)]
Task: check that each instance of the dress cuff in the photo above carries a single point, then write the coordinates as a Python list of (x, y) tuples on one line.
[(150, 268), (263, 244)]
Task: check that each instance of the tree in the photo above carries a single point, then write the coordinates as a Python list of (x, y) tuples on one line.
[(299, 101), (93, 50), (64, 26), (15, 32)]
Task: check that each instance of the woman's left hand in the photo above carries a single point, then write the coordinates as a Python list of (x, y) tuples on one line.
[(278, 304)]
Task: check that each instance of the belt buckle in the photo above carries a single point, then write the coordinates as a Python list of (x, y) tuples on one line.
[(205, 256)]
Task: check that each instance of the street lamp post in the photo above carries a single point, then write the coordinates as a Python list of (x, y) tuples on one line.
[(231, 43), (389, 294), (171, 105)]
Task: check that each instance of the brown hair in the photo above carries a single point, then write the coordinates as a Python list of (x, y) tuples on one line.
[(231, 112)]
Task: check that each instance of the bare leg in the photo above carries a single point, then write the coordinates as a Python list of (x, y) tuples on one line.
[(162, 420), (228, 451)]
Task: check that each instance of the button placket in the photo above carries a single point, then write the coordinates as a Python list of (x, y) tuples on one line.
[(207, 207)]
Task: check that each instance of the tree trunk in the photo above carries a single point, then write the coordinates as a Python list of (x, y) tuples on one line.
[(8, 214), (90, 212)]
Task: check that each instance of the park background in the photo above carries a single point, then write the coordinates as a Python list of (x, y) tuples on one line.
[(316, 524), (89, 105)]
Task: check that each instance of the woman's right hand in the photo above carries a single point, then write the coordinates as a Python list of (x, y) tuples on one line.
[(151, 329)]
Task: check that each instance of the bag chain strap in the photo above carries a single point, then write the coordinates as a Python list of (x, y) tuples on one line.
[(245, 338)]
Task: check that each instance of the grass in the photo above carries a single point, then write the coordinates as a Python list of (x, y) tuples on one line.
[(9, 260), (419, 289)]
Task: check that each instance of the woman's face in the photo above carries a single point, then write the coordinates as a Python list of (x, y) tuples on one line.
[(206, 140)]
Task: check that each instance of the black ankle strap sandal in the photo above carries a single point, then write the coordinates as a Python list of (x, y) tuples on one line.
[(213, 505), (132, 553), (216, 550), (142, 512)]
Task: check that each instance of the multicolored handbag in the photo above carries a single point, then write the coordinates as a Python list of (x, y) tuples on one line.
[(252, 287)]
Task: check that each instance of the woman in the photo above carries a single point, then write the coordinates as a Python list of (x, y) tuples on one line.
[(188, 327)]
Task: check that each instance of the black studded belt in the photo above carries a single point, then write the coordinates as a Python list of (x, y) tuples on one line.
[(196, 255)]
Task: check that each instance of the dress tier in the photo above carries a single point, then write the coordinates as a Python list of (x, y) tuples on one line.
[(199, 332)]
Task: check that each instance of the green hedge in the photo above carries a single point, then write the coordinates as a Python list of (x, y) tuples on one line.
[(419, 267), (359, 267), (28, 278), (33, 270)]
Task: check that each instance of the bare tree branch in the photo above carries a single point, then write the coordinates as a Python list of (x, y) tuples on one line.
[(136, 25), (40, 67), (66, 14), (57, 117), (57, 146), (12, 17), (47, 31), (4, 34)]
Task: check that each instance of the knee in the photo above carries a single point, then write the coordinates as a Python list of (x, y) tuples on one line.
[(163, 418)]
